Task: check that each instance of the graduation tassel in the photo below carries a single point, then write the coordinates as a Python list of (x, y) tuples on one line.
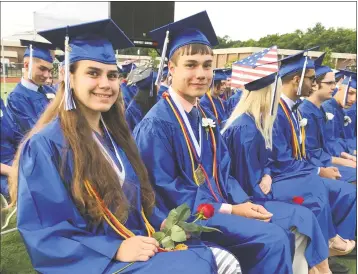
[(346, 91), (302, 76), (69, 102), (273, 95), (162, 60), (30, 63)]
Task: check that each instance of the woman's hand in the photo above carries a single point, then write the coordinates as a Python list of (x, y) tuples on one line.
[(137, 248)]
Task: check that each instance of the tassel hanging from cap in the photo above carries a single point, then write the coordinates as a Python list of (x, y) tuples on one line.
[(30, 63), (299, 91), (69, 102), (273, 95), (162, 59)]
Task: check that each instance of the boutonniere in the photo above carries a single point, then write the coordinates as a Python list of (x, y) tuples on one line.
[(329, 116), (50, 96), (1, 114), (303, 122), (347, 120), (207, 123)]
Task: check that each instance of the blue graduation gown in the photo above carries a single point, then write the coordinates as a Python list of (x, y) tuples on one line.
[(249, 164), (351, 129), (161, 90), (133, 114), (163, 149), (233, 101), (25, 107), (336, 130), (8, 145), (222, 111), (283, 166), (128, 92), (61, 240), (316, 148)]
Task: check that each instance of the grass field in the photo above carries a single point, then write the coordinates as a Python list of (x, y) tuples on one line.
[(6, 89)]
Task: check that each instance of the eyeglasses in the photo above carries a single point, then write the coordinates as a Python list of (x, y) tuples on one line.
[(330, 83), (312, 78)]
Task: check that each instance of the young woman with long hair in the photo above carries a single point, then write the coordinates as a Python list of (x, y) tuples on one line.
[(84, 200)]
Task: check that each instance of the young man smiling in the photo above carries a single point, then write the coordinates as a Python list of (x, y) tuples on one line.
[(188, 162)]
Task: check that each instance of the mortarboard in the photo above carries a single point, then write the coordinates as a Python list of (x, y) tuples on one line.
[(319, 69), (95, 41), (143, 77), (195, 29), (128, 66), (219, 75), (37, 50), (295, 63), (338, 75)]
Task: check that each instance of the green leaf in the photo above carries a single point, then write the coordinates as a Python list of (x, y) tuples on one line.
[(189, 227), (209, 229), (159, 236), (183, 212), (171, 220), (178, 234), (167, 242)]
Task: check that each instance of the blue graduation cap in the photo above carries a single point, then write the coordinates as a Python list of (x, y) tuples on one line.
[(165, 71), (319, 69), (95, 41), (60, 58), (228, 72), (37, 50), (195, 29), (350, 81), (143, 78), (295, 63), (338, 75), (219, 75)]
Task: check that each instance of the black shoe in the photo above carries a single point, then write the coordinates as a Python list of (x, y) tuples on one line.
[(337, 268)]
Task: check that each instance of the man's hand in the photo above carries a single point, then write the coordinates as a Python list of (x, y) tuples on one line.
[(252, 211), (330, 173), (265, 184)]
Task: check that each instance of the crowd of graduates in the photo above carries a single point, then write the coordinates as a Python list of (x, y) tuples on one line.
[(95, 163)]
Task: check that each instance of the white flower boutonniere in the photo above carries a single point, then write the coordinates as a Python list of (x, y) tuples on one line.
[(207, 123), (303, 122), (1, 114), (347, 120), (50, 96), (329, 116)]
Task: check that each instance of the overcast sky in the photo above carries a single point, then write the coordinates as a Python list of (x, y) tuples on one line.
[(239, 20)]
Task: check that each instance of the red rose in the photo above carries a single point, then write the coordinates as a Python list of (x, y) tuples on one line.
[(298, 200), (206, 211)]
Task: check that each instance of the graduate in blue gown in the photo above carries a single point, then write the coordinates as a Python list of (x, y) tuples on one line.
[(317, 119), (187, 164), (351, 129), (249, 146), (8, 147), (212, 101), (288, 157), (338, 130), (145, 98), (82, 190), (30, 97)]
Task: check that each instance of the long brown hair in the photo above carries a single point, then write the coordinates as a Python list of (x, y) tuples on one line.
[(89, 162)]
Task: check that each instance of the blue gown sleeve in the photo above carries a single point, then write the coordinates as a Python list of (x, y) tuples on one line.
[(282, 160), (316, 154), (53, 231), (155, 142), (21, 112)]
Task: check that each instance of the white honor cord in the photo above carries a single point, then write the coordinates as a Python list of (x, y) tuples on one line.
[(121, 174), (187, 123)]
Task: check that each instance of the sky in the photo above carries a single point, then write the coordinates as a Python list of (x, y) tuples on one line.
[(238, 20)]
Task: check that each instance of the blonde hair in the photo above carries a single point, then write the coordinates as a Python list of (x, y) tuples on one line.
[(257, 104)]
